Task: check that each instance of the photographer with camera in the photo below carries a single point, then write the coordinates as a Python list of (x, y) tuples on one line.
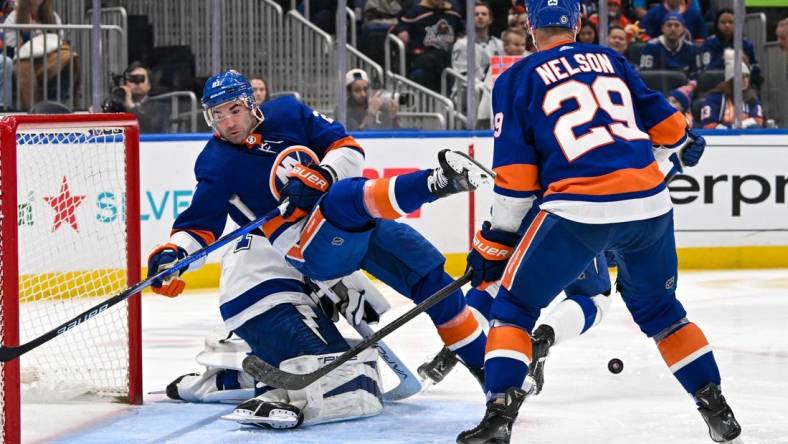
[(369, 111), (131, 95)]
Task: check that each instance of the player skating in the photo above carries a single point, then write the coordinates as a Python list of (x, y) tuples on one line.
[(602, 191), (285, 151)]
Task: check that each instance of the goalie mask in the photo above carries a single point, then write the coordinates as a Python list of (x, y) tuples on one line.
[(228, 86)]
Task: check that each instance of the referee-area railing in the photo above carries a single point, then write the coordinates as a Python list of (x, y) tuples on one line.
[(454, 85), (392, 39), (184, 110), (755, 30), (310, 52), (54, 63), (774, 92), (425, 109)]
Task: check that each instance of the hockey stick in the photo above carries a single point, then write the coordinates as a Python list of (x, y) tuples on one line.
[(9, 353), (268, 374), (409, 384)]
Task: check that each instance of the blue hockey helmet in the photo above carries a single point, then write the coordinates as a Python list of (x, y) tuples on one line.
[(227, 86), (553, 13)]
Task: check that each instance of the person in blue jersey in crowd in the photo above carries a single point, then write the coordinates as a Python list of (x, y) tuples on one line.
[(602, 189), (671, 51), (285, 160), (655, 17), (713, 48)]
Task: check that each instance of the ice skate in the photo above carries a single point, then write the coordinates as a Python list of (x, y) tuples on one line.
[(718, 415), (266, 414), (543, 339), (496, 426), (457, 173), (434, 371)]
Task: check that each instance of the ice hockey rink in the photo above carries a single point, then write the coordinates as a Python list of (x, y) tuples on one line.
[(743, 313)]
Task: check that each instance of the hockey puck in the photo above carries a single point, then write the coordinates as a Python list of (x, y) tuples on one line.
[(615, 366)]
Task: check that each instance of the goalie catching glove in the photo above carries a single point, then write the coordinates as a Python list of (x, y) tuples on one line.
[(491, 251), (305, 186), (162, 258)]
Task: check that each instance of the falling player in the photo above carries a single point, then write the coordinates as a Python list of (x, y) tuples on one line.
[(602, 191), (284, 151)]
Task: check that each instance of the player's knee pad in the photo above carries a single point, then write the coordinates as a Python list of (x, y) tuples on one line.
[(354, 390)]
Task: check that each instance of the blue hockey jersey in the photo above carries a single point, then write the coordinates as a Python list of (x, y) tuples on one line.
[(256, 171), (575, 124), (656, 55)]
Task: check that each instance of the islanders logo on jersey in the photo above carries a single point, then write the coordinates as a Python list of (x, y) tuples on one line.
[(283, 165)]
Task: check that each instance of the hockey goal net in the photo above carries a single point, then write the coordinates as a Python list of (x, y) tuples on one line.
[(69, 206)]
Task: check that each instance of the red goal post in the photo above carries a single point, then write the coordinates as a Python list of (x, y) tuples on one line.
[(69, 237)]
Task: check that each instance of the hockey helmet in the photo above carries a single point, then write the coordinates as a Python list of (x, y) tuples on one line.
[(553, 13), (227, 86)]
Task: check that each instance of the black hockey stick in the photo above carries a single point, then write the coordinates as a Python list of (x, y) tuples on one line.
[(270, 375), (8, 353)]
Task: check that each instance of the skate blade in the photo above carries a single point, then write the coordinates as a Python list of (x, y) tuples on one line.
[(461, 161), (277, 422)]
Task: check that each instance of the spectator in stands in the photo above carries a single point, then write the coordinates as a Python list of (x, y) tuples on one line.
[(260, 89), (500, 16), (681, 99), (615, 15), (514, 42), (131, 96), (718, 110), (587, 32), (670, 51), (518, 18), (692, 19), (429, 30), (365, 111), (618, 40), (29, 67), (782, 34), (379, 17), (486, 45), (714, 46)]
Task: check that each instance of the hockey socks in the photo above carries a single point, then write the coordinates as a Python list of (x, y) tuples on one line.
[(507, 357), (688, 355), (465, 337)]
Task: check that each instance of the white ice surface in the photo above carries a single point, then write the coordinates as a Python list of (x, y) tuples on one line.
[(743, 314)]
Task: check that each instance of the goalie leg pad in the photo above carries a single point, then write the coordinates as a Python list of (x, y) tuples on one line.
[(354, 390), (215, 385)]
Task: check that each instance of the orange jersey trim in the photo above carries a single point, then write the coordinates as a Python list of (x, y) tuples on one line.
[(519, 252), (558, 43), (347, 141), (505, 337), (460, 327), (627, 180), (669, 131), (377, 200), (682, 343), (517, 177)]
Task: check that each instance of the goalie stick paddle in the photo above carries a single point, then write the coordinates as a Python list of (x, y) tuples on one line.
[(268, 374), (8, 353)]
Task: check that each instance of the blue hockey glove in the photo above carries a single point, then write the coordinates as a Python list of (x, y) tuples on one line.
[(691, 152), (162, 258), (305, 186), (491, 251)]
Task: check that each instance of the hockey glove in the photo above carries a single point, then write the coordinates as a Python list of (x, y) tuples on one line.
[(162, 258), (692, 151), (305, 186), (491, 251)]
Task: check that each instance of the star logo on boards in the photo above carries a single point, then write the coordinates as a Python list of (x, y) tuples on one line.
[(64, 205)]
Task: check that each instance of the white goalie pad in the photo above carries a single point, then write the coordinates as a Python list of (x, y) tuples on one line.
[(223, 352), (354, 390)]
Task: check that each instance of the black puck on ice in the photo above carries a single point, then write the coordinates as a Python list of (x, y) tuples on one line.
[(615, 366)]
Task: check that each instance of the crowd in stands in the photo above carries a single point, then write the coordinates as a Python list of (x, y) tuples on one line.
[(669, 42)]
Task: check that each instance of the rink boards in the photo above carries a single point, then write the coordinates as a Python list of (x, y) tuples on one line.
[(731, 210)]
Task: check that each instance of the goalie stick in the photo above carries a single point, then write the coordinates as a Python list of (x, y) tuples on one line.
[(409, 384), (8, 353), (268, 374)]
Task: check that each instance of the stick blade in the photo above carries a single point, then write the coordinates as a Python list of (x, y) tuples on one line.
[(8, 353), (270, 375)]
